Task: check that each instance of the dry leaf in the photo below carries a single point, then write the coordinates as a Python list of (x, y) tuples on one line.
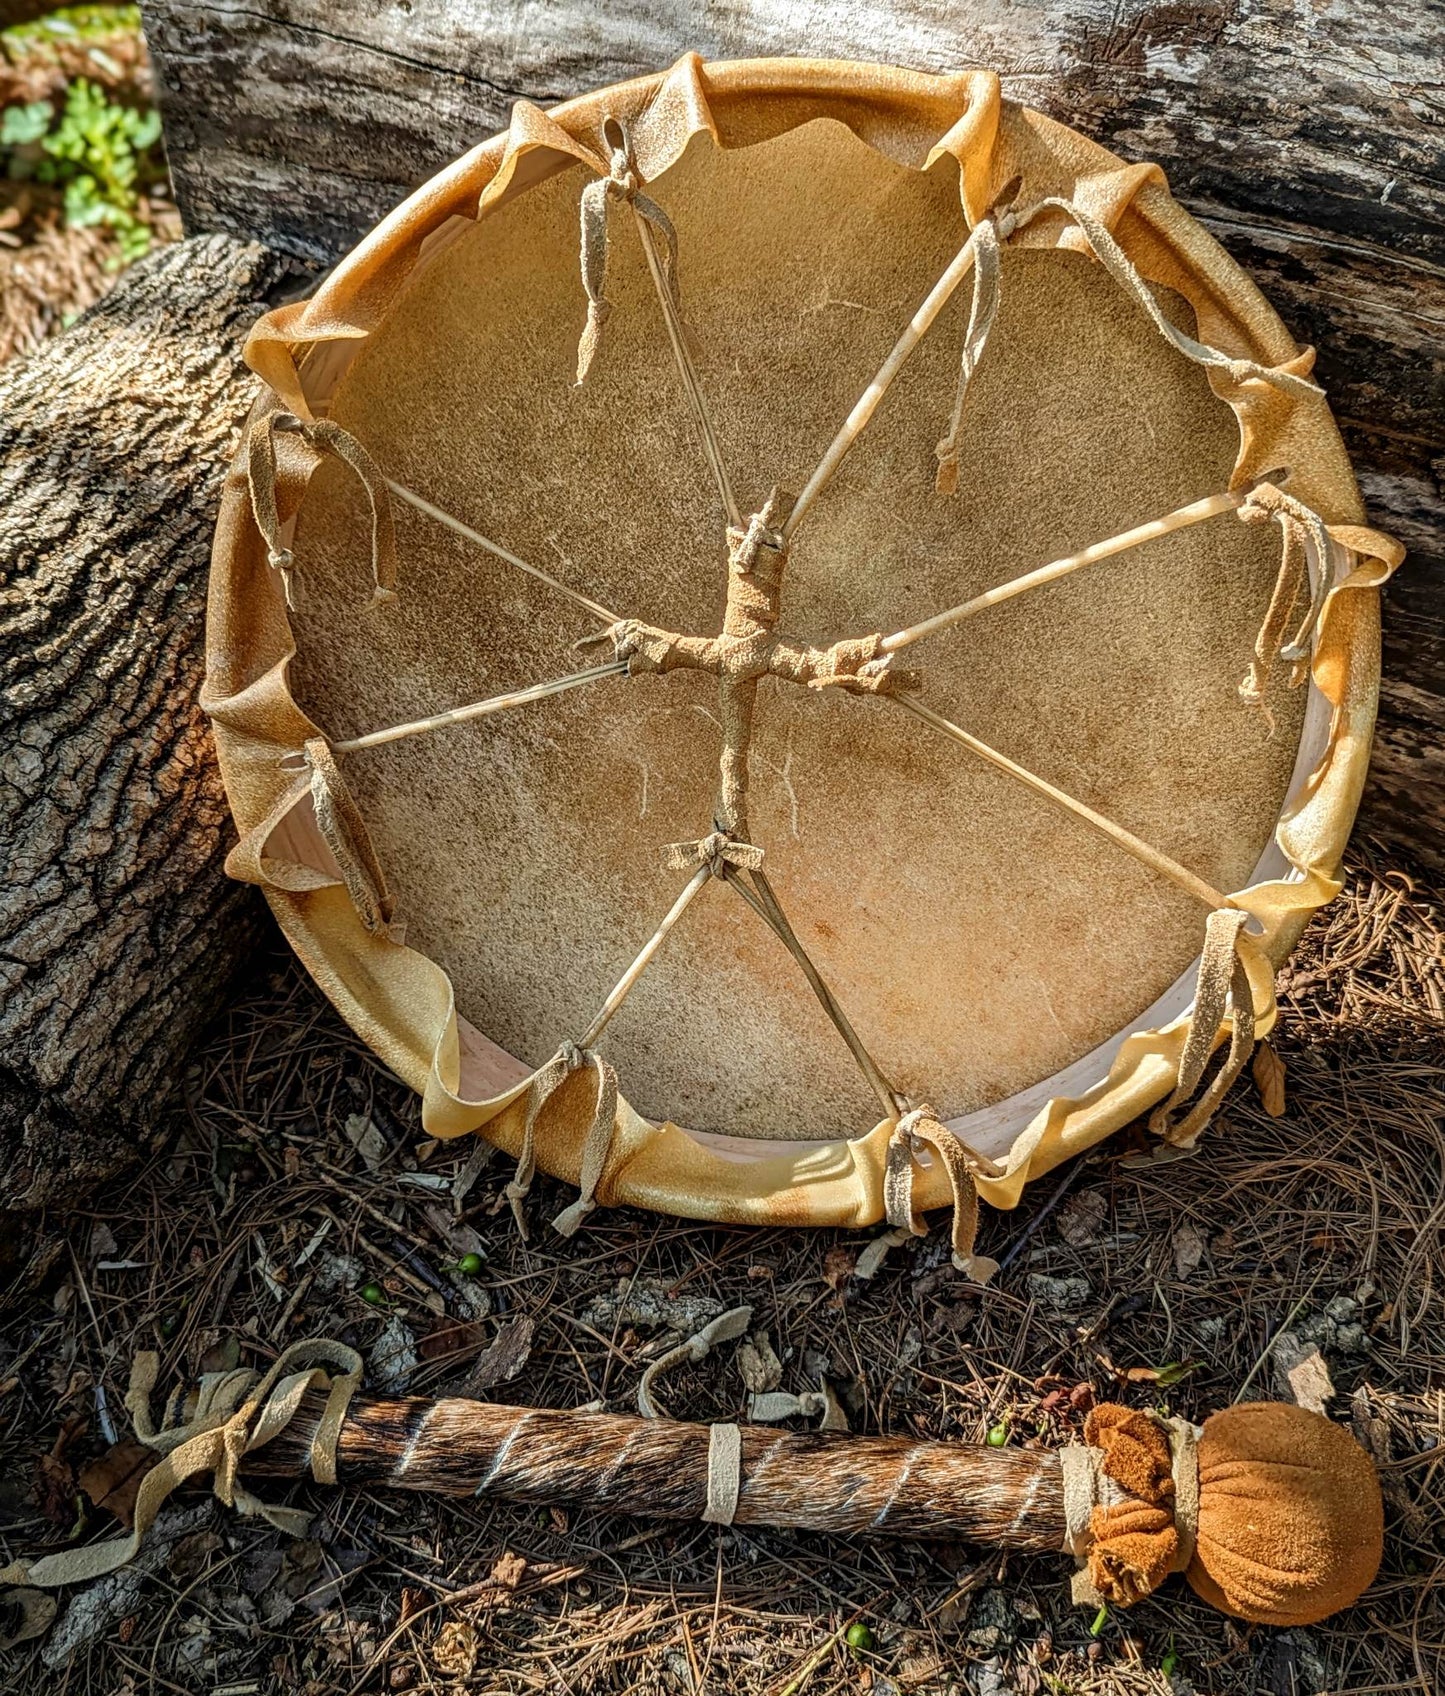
[(838, 1266), (114, 1481), (502, 1359), (55, 1477), (1188, 1249), (192, 1554), (102, 1241), (1269, 1079), (25, 1613), (224, 1356), (508, 1570), (368, 1142), (1080, 1220), (454, 1340), (455, 1649)]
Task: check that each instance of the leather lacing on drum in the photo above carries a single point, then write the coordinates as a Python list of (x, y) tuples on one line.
[(750, 647)]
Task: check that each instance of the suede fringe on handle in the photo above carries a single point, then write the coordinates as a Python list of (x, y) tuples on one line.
[(769, 1407), (725, 1442), (235, 1413), (1131, 1504), (323, 437), (726, 1328)]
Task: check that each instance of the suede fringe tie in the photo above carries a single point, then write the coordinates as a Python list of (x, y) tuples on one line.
[(768, 1407), (544, 1084), (725, 1440), (916, 1132), (1305, 574), (322, 437), (1222, 989), (235, 1413), (598, 198), (982, 311), (1131, 1504), (1117, 263), (344, 832)]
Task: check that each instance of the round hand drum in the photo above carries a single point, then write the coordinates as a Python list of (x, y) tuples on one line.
[(794, 642)]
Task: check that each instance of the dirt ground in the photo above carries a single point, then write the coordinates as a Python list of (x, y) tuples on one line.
[(289, 1182)]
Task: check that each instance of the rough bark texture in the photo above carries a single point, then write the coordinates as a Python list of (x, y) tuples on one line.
[(118, 930), (881, 1486), (1307, 137)]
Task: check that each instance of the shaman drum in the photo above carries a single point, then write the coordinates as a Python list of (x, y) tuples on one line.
[(614, 684)]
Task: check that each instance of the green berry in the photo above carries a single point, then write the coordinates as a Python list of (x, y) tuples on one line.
[(998, 1434), (471, 1264), (374, 1294), (858, 1636)]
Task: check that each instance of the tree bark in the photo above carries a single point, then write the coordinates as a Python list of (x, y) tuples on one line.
[(1306, 138), (119, 932)]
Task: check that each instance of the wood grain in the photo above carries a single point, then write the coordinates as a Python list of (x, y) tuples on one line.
[(1308, 138), (657, 1468)]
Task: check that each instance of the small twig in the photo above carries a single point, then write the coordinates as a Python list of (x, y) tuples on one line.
[(1274, 1336)]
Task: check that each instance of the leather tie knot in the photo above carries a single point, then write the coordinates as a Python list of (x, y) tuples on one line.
[(717, 852), (743, 545), (907, 1128)]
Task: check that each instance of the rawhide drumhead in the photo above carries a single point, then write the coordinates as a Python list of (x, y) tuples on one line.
[(794, 641)]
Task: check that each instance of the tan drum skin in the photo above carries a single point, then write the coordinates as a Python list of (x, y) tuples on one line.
[(402, 1003)]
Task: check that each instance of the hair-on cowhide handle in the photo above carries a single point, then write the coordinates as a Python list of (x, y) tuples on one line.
[(1273, 1513)]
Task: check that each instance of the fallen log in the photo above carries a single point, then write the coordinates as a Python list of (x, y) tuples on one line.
[(119, 933)]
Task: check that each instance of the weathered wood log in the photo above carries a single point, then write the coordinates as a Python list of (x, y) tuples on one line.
[(1306, 139), (886, 1486), (119, 932)]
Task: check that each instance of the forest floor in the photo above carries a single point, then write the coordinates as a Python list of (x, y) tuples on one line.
[(295, 1175), (75, 211)]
